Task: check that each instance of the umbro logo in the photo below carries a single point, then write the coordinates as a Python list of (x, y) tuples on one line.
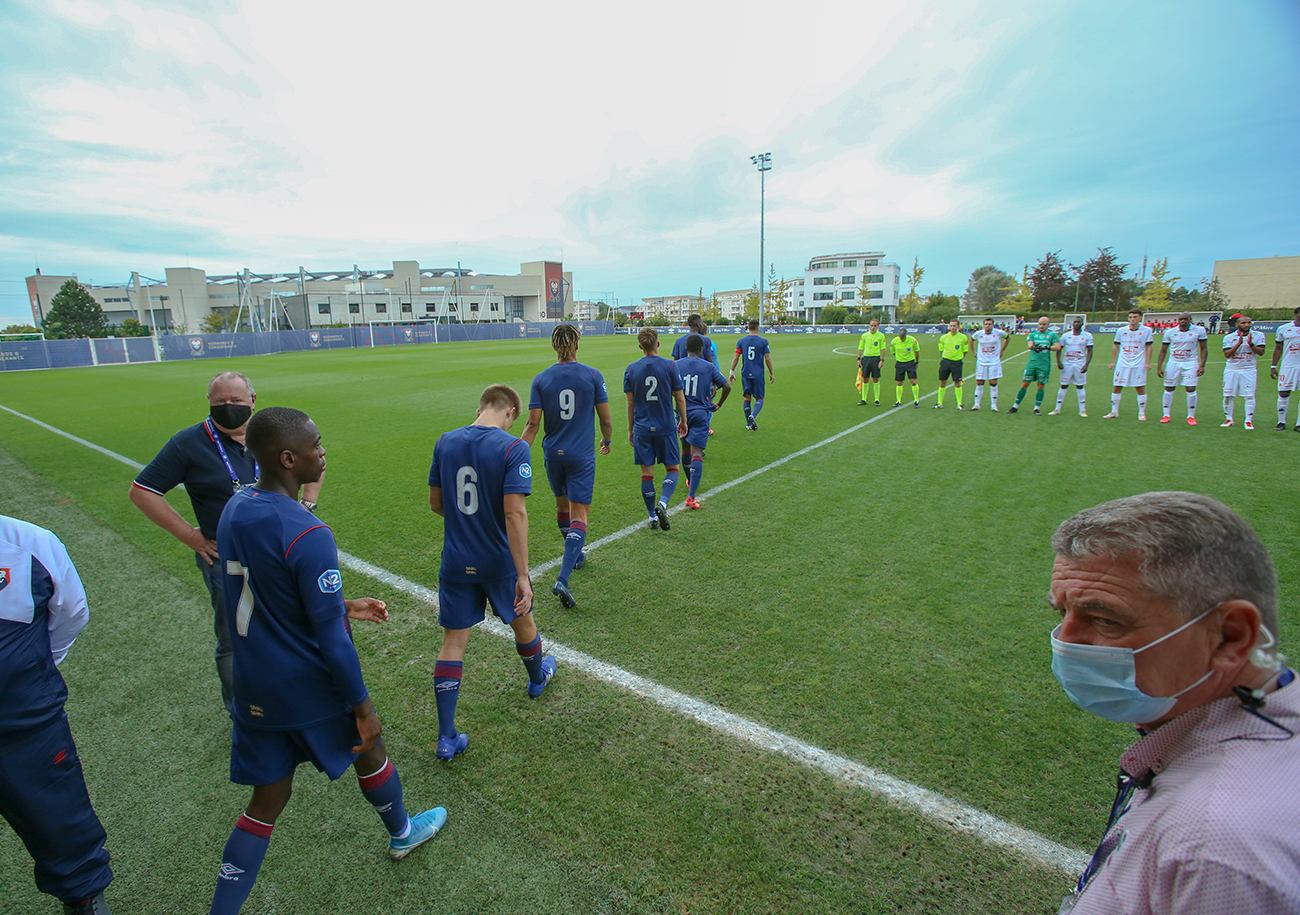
[(229, 871)]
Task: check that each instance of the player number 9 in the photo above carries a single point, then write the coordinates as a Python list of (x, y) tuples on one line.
[(467, 490), (567, 404)]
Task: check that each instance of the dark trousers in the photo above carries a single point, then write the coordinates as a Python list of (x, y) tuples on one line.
[(43, 797), (214, 579)]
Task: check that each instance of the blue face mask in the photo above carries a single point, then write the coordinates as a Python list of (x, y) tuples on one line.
[(1102, 679)]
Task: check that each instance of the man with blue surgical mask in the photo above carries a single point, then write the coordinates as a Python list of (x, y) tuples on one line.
[(1168, 604)]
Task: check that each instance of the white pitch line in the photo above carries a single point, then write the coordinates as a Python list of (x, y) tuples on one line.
[(937, 808)]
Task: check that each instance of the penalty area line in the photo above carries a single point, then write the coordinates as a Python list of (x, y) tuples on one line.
[(933, 806)]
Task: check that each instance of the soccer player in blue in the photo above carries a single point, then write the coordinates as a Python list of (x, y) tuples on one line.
[(565, 395), (299, 695), (697, 326), (488, 474), (653, 387), (42, 790), (699, 378), (756, 354)]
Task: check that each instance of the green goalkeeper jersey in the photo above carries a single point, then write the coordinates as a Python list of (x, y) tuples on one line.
[(1043, 359)]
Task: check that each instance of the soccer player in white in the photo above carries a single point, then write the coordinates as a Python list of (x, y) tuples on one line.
[(990, 344), (1288, 350), (1131, 359), (1240, 349), (1184, 365), (1073, 359)]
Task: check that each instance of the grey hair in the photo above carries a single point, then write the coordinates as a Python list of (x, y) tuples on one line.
[(1191, 549), (225, 376)]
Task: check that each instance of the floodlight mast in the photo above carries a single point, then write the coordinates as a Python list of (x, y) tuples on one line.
[(763, 161)]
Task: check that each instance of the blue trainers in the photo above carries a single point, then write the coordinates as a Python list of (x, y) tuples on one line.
[(567, 600), (451, 747), (424, 827), (535, 689)]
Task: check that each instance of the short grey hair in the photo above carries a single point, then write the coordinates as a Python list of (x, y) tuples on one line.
[(227, 376), (1191, 549)]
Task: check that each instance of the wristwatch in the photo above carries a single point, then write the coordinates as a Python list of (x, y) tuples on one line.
[(310, 506)]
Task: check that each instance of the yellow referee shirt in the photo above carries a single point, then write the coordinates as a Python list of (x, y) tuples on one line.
[(871, 344), (905, 350), (954, 346)]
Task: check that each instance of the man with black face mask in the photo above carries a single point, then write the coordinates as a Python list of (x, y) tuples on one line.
[(211, 461)]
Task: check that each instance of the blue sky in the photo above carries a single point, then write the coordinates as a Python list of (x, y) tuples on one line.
[(142, 135)]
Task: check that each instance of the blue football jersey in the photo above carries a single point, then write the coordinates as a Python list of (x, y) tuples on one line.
[(710, 348), (567, 394), (699, 378), (752, 348), (651, 381), (476, 467), (284, 605)]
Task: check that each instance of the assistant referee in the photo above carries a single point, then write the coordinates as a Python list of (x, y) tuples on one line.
[(871, 346), (907, 357)]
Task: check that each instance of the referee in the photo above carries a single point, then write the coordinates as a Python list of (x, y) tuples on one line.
[(953, 347), (871, 346), (907, 356)]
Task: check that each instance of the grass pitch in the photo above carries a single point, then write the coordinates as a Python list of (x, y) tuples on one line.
[(881, 597)]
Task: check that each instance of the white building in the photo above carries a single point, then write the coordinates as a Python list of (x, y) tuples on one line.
[(405, 294), (861, 279)]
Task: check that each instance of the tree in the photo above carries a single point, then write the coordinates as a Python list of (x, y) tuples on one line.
[(77, 312), (21, 329), (1216, 299), (1101, 281), (1158, 294), (987, 287), (602, 311), (937, 308), (1052, 284), (751, 304), (911, 303), (833, 314), (712, 313), (131, 327), (778, 297), (620, 319), (217, 323), (1021, 299)]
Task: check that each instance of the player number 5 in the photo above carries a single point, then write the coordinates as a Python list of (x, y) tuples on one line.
[(244, 611), (467, 490)]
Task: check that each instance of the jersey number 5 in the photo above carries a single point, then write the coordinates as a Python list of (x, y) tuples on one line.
[(244, 612)]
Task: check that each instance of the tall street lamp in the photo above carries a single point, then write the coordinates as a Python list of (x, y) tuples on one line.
[(763, 161)]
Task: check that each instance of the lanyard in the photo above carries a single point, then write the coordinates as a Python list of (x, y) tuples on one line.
[(1125, 784), (225, 458)]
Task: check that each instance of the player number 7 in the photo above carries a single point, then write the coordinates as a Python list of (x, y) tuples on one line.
[(244, 612)]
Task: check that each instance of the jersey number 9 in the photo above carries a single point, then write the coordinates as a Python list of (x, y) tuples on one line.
[(568, 404)]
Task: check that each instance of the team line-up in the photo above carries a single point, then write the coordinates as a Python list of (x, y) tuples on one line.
[(1184, 351)]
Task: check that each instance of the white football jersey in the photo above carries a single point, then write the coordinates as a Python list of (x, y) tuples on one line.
[(1244, 359), (1132, 346), (1183, 343), (988, 346), (1289, 336), (1074, 347)]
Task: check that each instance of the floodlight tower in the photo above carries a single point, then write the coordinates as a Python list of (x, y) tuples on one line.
[(763, 161)]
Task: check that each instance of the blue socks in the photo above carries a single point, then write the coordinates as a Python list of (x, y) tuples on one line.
[(697, 471), (573, 543), (670, 485), (747, 411), (446, 690), (240, 862), (648, 493), (383, 790), (532, 658), (758, 405)]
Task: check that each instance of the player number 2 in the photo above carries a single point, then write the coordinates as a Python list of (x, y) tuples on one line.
[(244, 612), (467, 490), (651, 386), (568, 403)]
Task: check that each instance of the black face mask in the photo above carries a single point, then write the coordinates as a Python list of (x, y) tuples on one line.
[(230, 415)]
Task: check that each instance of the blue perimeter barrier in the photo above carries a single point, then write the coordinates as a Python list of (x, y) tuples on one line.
[(1267, 327), (26, 355)]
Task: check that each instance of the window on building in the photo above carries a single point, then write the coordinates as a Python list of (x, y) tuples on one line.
[(323, 308), (847, 295), (494, 307), (875, 294), (381, 308), (850, 263), (473, 306), (406, 308), (823, 281), (871, 262), (823, 296), (453, 307), (850, 279), (875, 278), (430, 308), (354, 309)]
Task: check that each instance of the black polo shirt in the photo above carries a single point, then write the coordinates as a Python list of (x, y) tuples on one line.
[(192, 458)]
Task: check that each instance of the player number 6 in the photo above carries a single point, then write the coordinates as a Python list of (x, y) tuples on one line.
[(467, 490)]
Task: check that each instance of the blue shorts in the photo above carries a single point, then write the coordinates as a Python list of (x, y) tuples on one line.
[(697, 427), (648, 450), (260, 757), (573, 479), (462, 605), (753, 387)]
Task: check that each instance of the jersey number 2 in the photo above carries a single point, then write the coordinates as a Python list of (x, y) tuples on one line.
[(651, 385)]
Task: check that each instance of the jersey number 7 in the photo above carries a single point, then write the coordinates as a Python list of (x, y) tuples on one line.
[(244, 612)]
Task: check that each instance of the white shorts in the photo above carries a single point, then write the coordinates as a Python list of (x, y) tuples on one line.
[(1288, 379), (1073, 374), (1130, 376), (1238, 384), (988, 372), (1183, 373)]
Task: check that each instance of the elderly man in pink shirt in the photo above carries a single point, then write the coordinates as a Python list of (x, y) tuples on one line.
[(1168, 605)]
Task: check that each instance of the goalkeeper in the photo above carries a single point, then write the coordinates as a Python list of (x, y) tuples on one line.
[(1042, 343)]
